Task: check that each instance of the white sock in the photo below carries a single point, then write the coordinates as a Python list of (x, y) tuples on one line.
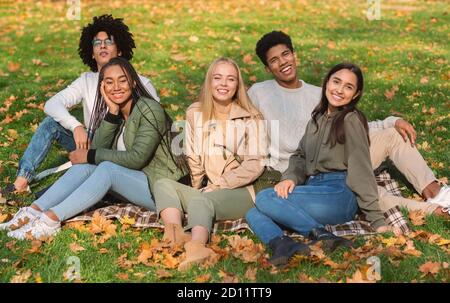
[(49, 221)]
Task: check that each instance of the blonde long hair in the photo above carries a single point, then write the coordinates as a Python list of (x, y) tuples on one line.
[(241, 98)]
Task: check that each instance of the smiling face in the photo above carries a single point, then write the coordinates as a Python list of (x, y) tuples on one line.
[(102, 52), (281, 63), (341, 89), (224, 82), (116, 85)]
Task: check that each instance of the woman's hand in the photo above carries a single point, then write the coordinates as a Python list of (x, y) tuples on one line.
[(284, 188), (78, 156), (112, 107)]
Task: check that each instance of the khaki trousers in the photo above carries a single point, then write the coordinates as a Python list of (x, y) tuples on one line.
[(388, 143), (202, 208)]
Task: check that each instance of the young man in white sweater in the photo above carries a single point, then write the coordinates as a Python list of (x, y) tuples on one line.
[(105, 38), (290, 101)]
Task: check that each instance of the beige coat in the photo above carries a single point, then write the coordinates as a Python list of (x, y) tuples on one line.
[(231, 156)]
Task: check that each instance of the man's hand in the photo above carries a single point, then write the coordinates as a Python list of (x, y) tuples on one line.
[(81, 138), (78, 156), (284, 188), (405, 129)]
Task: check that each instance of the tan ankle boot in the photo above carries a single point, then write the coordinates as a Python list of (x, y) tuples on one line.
[(174, 235), (196, 253)]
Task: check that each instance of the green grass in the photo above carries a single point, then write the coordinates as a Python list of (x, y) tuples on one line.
[(408, 47)]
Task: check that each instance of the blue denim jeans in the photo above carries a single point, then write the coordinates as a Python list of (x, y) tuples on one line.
[(84, 185), (324, 199), (40, 144)]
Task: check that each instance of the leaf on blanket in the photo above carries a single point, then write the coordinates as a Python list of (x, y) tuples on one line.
[(127, 220)]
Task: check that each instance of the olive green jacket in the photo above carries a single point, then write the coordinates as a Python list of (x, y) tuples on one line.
[(315, 155), (145, 148)]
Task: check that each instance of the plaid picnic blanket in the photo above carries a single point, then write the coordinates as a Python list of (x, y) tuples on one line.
[(143, 218)]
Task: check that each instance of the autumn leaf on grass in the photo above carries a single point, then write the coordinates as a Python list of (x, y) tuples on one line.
[(35, 247), (193, 39), (248, 59), (122, 276), (163, 274), (124, 263), (4, 217), (417, 217), (430, 268), (389, 94), (244, 248), (21, 276), (170, 261), (13, 67), (334, 265), (227, 277), (78, 225), (203, 278), (178, 57), (411, 250), (76, 247), (250, 274), (146, 253), (360, 276)]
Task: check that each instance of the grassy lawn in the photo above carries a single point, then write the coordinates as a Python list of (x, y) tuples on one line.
[(405, 58)]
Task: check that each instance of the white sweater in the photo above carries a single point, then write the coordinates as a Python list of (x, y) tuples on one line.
[(291, 109), (83, 90)]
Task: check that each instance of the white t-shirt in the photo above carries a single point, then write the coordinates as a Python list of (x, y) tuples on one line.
[(83, 90), (288, 112), (120, 142)]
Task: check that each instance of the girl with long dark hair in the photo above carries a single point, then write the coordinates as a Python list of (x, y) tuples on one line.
[(329, 176), (130, 151)]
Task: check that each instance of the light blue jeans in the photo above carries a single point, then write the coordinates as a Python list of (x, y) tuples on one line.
[(324, 199), (85, 184), (48, 131)]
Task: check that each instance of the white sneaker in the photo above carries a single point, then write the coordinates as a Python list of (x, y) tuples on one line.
[(36, 229), (21, 218), (442, 198)]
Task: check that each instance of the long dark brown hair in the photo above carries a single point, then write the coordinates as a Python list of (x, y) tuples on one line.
[(138, 90), (337, 134)]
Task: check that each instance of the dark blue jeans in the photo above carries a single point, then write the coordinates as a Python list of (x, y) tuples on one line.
[(48, 131), (324, 199)]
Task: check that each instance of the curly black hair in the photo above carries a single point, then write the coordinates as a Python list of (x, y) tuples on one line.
[(113, 27), (270, 40)]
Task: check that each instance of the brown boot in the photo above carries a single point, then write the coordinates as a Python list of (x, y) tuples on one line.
[(196, 253), (174, 235)]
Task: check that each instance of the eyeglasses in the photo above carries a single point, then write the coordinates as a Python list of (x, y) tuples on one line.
[(98, 42)]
